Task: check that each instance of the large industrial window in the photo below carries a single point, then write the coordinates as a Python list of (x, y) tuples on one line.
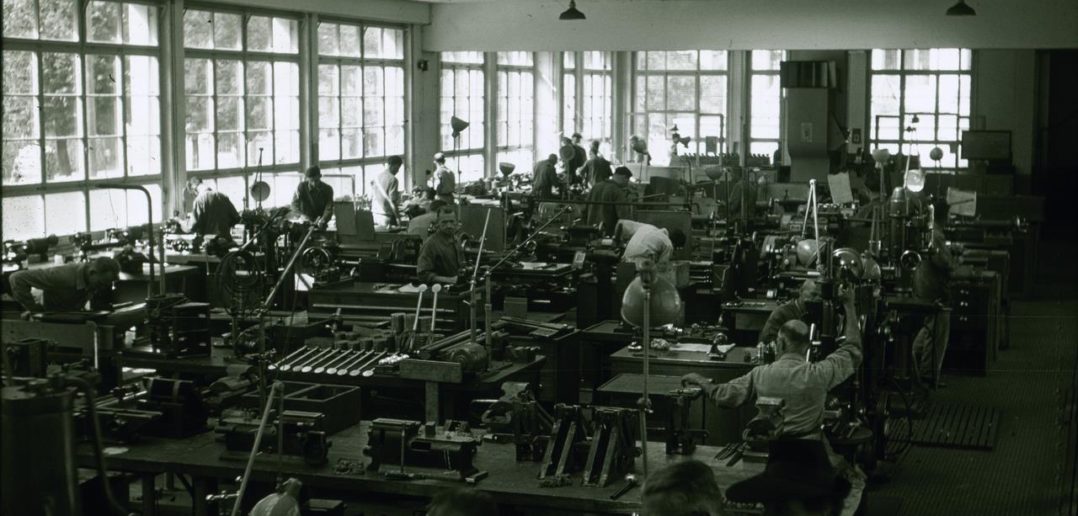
[(515, 109), (685, 88), (765, 102), (360, 101), (588, 109), (920, 100), (463, 96), (77, 113)]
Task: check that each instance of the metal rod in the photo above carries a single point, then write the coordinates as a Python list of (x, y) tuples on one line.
[(475, 273), (254, 449)]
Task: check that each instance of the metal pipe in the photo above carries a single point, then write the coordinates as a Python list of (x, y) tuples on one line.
[(149, 231), (254, 449)]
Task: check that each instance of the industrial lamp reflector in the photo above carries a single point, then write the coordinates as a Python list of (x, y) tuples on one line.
[(961, 9), (506, 168), (458, 126), (572, 13)]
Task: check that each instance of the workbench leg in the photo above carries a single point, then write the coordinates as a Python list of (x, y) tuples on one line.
[(432, 402), (149, 494), (202, 487)]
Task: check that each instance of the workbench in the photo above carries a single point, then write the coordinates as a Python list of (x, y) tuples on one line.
[(509, 482), (722, 424), (435, 396)]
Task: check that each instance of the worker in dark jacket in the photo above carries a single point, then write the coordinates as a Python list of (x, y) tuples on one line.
[(213, 213), (545, 178), (579, 157), (597, 169), (439, 258), (611, 193), (790, 311), (314, 199), (445, 182), (64, 288)]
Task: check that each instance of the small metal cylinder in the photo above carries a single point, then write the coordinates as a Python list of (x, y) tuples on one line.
[(38, 439)]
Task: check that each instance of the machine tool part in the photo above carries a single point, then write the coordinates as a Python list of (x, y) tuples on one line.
[(343, 369), (434, 307), (613, 445), (325, 357), (290, 357), (340, 358), (568, 432), (680, 438), (768, 421), (415, 322), (316, 357), (397, 444), (365, 366), (630, 483), (311, 352)]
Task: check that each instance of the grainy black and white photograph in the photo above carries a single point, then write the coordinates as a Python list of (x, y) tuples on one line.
[(539, 258)]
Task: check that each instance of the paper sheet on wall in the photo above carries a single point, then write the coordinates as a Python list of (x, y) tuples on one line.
[(841, 193), (961, 202)]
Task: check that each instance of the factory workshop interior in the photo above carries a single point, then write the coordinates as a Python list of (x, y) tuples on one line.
[(539, 257)]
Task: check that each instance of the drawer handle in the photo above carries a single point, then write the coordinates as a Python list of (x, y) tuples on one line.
[(963, 303)]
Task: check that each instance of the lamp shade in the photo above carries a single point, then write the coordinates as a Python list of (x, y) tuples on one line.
[(284, 503), (572, 13), (915, 180), (849, 264), (935, 154), (458, 126), (260, 190), (666, 306), (638, 145), (506, 168), (806, 252), (961, 9)]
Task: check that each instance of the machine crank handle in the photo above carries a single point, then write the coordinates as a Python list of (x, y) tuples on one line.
[(630, 483)]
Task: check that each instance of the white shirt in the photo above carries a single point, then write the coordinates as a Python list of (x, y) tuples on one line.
[(647, 241)]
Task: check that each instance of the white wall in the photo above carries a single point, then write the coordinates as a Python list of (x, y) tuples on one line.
[(750, 24)]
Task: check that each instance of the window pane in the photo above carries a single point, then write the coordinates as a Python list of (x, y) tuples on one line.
[(920, 94), (143, 155), (259, 144), (329, 113), (350, 45), (259, 78), (681, 60), (200, 149), (108, 209), (230, 150), (104, 116), (20, 21), (285, 35), (21, 162), (329, 145), (766, 59), (141, 76), (60, 73), (392, 44), (765, 107), (259, 113), (104, 22), (286, 146), (568, 60), (104, 75), (197, 29), (64, 160), (22, 215), (713, 94), (57, 19), (259, 36), (286, 78), (713, 59), (62, 116), (106, 160), (886, 92), (65, 213), (140, 24), (462, 57), (20, 117), (885, 60), (329, 42), (286, 112), (681, 93), (198, 75), (227, 31), (351, 143)]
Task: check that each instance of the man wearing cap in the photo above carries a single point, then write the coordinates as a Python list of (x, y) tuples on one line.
[(439, 258), (313, 198), (387, 194), (614, 202), (445, 182), (545, 178), (790, 311), (801, 384), (799, 480)]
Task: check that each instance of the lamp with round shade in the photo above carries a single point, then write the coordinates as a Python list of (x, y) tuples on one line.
[(649, 300), (458, 127), (506, 168), (961, 9)]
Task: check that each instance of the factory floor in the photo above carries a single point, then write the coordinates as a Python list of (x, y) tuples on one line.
[(1031, 384)]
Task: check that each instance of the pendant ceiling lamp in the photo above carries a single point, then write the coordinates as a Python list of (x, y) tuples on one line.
[(572, 13), (961, 9)]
